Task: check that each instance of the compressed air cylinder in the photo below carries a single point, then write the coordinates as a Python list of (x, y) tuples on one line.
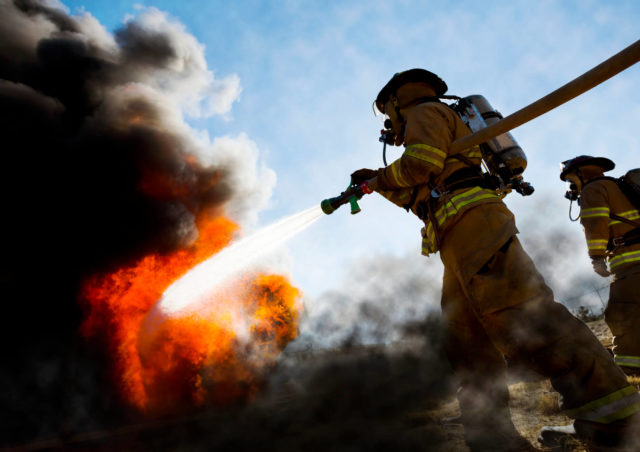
[(500, 153)]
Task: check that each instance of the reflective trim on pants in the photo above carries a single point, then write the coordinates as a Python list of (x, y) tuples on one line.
[(613, 407), (627, 361)]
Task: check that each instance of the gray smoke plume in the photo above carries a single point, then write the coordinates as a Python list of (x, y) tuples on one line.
[(375, 303), (100, 169), (379, 296), (559, 251)]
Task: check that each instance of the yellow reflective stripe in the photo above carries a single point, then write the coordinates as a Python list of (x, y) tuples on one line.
[(623, 413), (449, 209), (471, 153), (474, 152), (597, 244), (427, 153), (615, 406), (630, 214), (595, 212), (430, 234), (427, 247), (461, 200), (452, 206), (627, 361), (397, 174), (624, 258)]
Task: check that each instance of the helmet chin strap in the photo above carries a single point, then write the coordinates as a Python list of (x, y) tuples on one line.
[(579, 174), (396, 107)]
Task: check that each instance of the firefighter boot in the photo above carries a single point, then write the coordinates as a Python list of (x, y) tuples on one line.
[(494, 432), (622, 435)]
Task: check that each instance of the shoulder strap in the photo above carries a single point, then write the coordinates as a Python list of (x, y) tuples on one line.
[(624, 187), (463, 159), (626, 191), (595, 179), (624, 220)]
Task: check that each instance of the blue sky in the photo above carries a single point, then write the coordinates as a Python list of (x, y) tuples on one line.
[(309, 71)]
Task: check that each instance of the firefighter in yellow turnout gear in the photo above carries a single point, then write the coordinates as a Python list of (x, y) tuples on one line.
[(607, 214), (494, 301)]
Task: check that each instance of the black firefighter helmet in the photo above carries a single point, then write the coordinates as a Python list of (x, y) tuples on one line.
[(573, 164), (412, 75)]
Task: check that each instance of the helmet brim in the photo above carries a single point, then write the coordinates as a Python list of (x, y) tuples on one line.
[(602, 162), (412, 75)]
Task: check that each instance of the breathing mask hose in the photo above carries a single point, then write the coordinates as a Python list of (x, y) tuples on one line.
[(384, 153), (386, 137), (570, 218)]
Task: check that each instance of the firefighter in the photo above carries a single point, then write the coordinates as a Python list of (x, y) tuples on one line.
[(611, 225), (494, 301)]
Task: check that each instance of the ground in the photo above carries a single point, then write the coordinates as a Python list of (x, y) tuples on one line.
[(533, 404), (375, 398)]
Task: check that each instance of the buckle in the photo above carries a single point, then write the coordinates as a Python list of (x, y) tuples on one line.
[(437, 192), (618, 241)]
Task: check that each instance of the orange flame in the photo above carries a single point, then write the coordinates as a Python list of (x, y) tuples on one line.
[(217, 355)]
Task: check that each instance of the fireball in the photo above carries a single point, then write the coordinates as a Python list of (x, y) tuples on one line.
[(217, 353)]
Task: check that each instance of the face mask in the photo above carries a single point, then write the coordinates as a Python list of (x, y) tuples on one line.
[(572, 194)]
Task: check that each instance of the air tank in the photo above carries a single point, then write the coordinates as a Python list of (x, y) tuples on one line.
[(502, 154)]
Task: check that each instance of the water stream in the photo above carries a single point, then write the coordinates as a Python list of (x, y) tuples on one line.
[(204, 278)]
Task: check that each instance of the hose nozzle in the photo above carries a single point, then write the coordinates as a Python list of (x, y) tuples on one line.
[(327, 206), (351, 195)]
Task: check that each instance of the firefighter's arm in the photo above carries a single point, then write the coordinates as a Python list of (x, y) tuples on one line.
[(594, 216), (428, 134)]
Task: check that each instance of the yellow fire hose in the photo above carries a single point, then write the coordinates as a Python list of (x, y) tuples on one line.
[(604, 71)]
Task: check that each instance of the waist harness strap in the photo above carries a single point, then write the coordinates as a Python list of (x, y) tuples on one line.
[(631, 237), (464, 178)]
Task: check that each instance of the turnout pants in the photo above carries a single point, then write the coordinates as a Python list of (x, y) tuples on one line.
[(504, 308), (622, 315)]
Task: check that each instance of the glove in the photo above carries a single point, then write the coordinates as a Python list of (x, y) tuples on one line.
[(600, 266), (364, 174)]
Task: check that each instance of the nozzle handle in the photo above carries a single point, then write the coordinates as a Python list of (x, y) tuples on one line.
[(355, 208), (351, 195)]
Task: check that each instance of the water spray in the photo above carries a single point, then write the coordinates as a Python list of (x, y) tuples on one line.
[(194, 287)]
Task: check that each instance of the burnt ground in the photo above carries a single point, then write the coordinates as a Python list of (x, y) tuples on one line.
[(352, 399)]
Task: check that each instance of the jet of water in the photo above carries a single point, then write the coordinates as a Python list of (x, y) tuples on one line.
[(206, 277)]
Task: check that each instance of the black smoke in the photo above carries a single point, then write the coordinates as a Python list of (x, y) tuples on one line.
[(98, 170), (373, 398)]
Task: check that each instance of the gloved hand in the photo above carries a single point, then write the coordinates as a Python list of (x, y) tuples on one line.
[(358, 177), (600, 266)]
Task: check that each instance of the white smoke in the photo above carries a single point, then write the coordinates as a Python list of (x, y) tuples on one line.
[(186, 79)]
